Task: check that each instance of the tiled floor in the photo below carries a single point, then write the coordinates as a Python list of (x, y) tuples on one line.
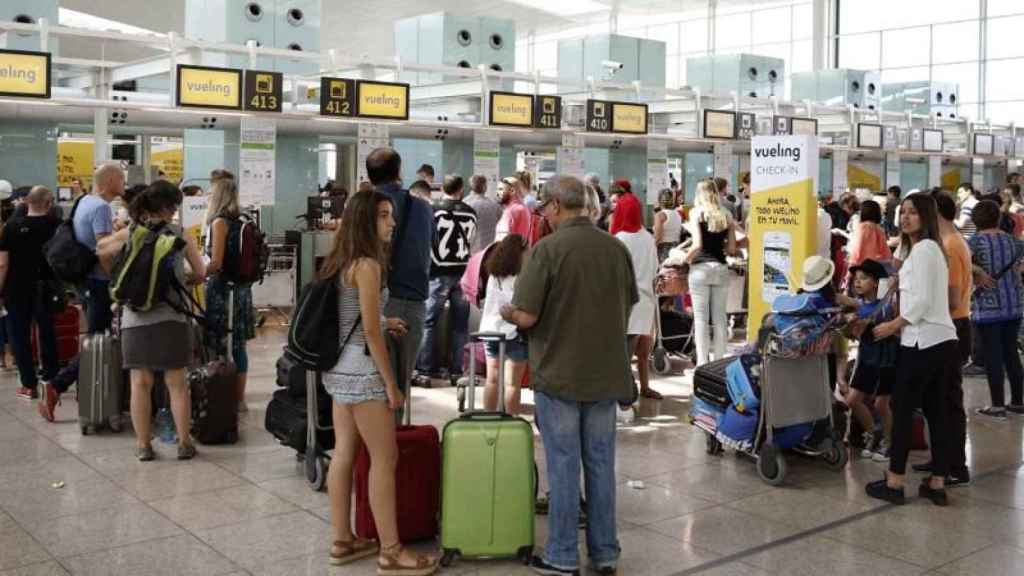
[(82, 505)]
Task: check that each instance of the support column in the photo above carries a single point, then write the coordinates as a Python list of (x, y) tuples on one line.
[(982, 59)]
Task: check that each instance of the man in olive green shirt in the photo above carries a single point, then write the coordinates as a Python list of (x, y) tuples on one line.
[(573, 299)]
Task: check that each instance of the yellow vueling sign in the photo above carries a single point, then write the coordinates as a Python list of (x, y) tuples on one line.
[(509, 109), (24, 73), (629, 118), (204, 87), (388, 100)]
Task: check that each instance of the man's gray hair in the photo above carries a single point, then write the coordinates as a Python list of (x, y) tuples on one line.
[(592, 179), (101, 178), (39, 197), (568, 190)]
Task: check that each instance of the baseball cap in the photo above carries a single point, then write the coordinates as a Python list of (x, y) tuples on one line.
[(872, 268)]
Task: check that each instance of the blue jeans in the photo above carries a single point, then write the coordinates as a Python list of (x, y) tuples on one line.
[(573, 431), (95, 294), (444, 289), (21, 312)]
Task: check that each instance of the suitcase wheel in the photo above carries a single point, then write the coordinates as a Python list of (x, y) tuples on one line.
[(525, 555), (316, 470), (448, 556), (114, 424), (771, 464), (85, 430), (836, 457), (660, 362)]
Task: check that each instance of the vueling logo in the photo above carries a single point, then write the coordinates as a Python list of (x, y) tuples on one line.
[(209, 87), (12, 72)]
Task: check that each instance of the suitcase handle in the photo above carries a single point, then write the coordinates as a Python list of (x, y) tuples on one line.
[(487, 416)]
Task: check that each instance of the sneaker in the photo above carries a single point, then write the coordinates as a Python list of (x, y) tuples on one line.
[(958, 479), (186, 451), (992, 412), (145, 454), (869, 445), (974, 370), (1015, 408), (880, 490), (28, 393), (882, 453), (538, 565), (48, 403)]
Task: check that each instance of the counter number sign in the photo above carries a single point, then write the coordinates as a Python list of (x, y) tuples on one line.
[(599, 115), (337, 97), (263, 91), (549, 112)]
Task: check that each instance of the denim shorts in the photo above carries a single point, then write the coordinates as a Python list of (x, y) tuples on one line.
[(515, 350)]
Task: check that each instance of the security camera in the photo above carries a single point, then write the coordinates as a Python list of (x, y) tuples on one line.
[(612, 65)]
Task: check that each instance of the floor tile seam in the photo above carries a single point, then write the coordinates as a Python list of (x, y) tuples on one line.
[(39, 543), (296, 507), (940, 570), (234, 567), (204, 490), (836, 539), (807, 533)]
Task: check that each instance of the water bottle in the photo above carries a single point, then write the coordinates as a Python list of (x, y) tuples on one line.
[(164, 426)]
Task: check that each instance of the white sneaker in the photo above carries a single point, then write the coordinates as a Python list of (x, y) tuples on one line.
[(869, 445), (882, 454)]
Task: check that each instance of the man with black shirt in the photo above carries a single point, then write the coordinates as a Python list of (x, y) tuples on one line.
[(455, 223), (29, 289)]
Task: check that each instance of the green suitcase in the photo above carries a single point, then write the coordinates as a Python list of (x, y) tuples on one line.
[(488, 486)]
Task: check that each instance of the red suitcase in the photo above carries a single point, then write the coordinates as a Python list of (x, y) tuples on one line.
[(417, 484), (67, 328)]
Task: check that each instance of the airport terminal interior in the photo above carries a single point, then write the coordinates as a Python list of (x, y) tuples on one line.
[(793, 182)]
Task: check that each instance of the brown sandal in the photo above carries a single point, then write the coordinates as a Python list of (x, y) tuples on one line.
[(389, 563), (345, 552)]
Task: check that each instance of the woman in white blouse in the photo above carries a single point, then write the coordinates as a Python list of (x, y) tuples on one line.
[(927, 337)]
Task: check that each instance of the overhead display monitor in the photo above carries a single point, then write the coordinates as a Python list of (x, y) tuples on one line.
[(983, 144), (511, 109), (547, 112), (263, 91), (869, 136), (385, 100), (24, 73), (629, 118), (719, 124), (781, 126), (599, 115), (207, 87), (746, 125), (934, 140), (337, 97), (803, 126)]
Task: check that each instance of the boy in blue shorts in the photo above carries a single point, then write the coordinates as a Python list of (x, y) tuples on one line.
[(876, 361)]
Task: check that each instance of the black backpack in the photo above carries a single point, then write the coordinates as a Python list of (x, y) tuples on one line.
[(70, 260), (247, 254), (314, 331)]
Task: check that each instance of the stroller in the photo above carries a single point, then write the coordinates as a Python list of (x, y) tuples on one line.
[(674, 336)]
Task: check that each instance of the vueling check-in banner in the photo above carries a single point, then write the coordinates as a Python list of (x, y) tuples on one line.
[(24, 73), (205, 87), (783, 218)]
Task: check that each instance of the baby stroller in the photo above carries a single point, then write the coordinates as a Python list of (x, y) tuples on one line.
[(674, 329)]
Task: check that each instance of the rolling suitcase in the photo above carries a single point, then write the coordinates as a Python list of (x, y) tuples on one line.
[(100, 383), (488, 482), (290, 375), (417, 483), (213, 386), (66, 326), (709, 382)]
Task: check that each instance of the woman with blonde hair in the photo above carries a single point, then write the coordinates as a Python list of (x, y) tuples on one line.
[(668, 224), (714, 237), (224, 220)]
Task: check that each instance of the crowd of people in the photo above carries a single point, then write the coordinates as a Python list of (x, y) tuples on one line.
[(405, 259)]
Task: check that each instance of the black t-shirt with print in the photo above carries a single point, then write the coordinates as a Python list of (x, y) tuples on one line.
[(23, 239)]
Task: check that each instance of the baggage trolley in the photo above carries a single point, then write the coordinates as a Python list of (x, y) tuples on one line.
[(793, 391)]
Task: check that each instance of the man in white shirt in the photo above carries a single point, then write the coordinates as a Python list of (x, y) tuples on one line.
[(824, 234), (968, 199)]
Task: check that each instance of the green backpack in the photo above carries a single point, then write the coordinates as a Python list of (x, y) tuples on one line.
[(144, 272)]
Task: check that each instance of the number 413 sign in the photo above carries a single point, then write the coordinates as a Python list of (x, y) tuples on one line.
[(263, 91)]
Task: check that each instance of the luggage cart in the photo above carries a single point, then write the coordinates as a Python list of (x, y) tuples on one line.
[(793, 391), (277, 290)]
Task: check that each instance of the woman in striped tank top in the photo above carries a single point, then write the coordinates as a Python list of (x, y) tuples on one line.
[(363, 387)]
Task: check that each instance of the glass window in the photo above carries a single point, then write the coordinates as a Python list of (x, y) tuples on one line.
[(1004, 7), (955, 42), (1004, 36), (908, 47), (1004, 82), (802, 59), (545, 56), (803, 21), (672, 71), (694, 36), (1005, 112), (860, 51), (915, 74), (965, 75), (867, 15), (669, 34), (732, 30), (769, 26)]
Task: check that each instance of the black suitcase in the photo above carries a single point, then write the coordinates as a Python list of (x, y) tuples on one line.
[(709, 382), (291, 376), (286, 420)]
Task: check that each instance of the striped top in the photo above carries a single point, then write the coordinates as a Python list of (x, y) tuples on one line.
[(349, 311), (994, 251)]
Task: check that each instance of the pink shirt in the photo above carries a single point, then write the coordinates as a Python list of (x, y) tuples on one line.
[(514, 220), (869, 243)]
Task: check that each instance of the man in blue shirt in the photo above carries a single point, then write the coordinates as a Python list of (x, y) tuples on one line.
[(409, 278), (93, 221)]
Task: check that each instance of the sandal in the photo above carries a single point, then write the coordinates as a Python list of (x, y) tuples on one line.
[(345, 552), (652, 394), (389, 563)]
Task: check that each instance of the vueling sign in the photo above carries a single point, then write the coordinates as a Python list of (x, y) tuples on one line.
[(388, 100), (24, 73), (510, 109), (203, 87)]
